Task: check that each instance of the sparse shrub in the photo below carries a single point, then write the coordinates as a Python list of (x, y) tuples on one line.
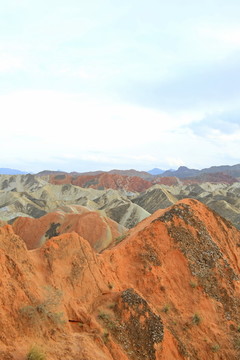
[(193, 284), (111, 325), (52, 296), (105, 337), (120, 238), (110, 286), (166, 308), (238, 328), (215, 348), (108, 321), (196, 319), (237, 343), (40, 312), (35, 354), (44, 310), (30, 313), (103, 316)]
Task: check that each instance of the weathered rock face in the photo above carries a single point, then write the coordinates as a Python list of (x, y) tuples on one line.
[(155, 198), (133, 324), (169, 290), (143, 328)]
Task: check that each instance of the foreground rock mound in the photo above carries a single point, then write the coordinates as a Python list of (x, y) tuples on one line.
[(169, 290)]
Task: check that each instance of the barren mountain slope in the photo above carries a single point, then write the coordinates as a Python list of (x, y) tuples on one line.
[(170, 290), (156, 197), (26, 195), (223, 198), (33, 197), (199, 188)]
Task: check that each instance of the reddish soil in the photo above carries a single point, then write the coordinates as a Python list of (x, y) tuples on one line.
[(170, 290)]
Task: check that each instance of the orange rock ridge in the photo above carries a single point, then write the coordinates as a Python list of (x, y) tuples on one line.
[(170, 290)]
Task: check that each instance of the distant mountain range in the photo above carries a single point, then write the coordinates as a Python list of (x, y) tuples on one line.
[(142, 174), (184, 172), (8, 171), (156, 171), (116, 178)]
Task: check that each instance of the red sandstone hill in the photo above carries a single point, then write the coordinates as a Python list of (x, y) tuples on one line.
[(103, 181), (97, 229), (169, 291), (111, 181), (134, 183)]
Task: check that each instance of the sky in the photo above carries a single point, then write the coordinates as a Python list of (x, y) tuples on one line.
[(101, 85)]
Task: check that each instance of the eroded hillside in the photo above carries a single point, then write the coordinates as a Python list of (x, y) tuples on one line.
[(32, 196), (169, 290)]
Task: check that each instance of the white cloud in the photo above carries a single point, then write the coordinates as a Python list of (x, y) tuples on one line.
[(174, 162), (227, 37), (81, 72), (219, 137), (10, 62), (77, 121), (157, 64), (47, 126), (52, 125)]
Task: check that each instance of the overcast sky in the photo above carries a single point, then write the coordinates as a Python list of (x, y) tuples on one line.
[(103, 84)]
